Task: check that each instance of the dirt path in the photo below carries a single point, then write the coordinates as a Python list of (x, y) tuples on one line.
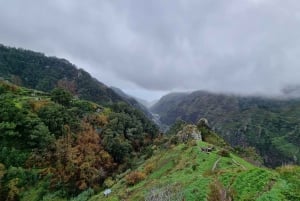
[(215, 164), (238, 164)]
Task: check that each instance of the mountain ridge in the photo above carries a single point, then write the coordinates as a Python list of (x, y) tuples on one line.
[(133, 101), (240, 120), (35, 70)]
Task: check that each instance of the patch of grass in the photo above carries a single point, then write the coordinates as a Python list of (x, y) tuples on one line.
[(291, 174), (40, 192), (197, 189), (275, 194), (249, 184)]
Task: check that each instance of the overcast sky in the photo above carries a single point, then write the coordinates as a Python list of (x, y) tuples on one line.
[(148, 48)]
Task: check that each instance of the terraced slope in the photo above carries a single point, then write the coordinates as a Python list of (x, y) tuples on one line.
[(184, 172)]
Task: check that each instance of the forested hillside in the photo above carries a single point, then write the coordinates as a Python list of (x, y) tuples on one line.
[(53, 144), (133, 102), (37, 71), (272, 126)]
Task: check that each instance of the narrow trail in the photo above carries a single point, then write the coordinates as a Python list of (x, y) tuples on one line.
[(215, 164), (238, 164)]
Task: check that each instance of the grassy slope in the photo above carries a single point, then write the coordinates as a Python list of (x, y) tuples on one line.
[(186, 166)]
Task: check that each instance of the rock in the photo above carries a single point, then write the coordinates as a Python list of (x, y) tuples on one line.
[(107, 192), (203, 122), (189, 132)]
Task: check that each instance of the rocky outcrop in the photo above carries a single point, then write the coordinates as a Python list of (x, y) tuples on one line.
[(203, 122), (189, 132)]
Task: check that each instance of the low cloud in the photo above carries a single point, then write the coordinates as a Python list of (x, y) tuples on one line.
[(239, 46)]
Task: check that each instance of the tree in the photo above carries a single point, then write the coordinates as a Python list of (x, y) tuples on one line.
[(2, 173), (80, 163), (56, 117), (20, 128), (92, 160), (118, 147), (61, 96), (70, 86)]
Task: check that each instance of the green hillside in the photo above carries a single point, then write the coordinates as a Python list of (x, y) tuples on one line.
[(184, 172), (37, 71), (269, 125)]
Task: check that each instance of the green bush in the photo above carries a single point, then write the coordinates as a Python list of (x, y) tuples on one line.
[(84, 196), (13, 157), (109, 182), (224, 153)]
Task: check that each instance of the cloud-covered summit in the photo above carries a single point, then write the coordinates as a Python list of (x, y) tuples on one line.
[(239, 46)]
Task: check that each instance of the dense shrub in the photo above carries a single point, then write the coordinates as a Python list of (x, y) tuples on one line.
[(224, 153), (135, 177), (84, 196), (149, 168), (219, 193), (192, 143), (109, 182), (174, 140)]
